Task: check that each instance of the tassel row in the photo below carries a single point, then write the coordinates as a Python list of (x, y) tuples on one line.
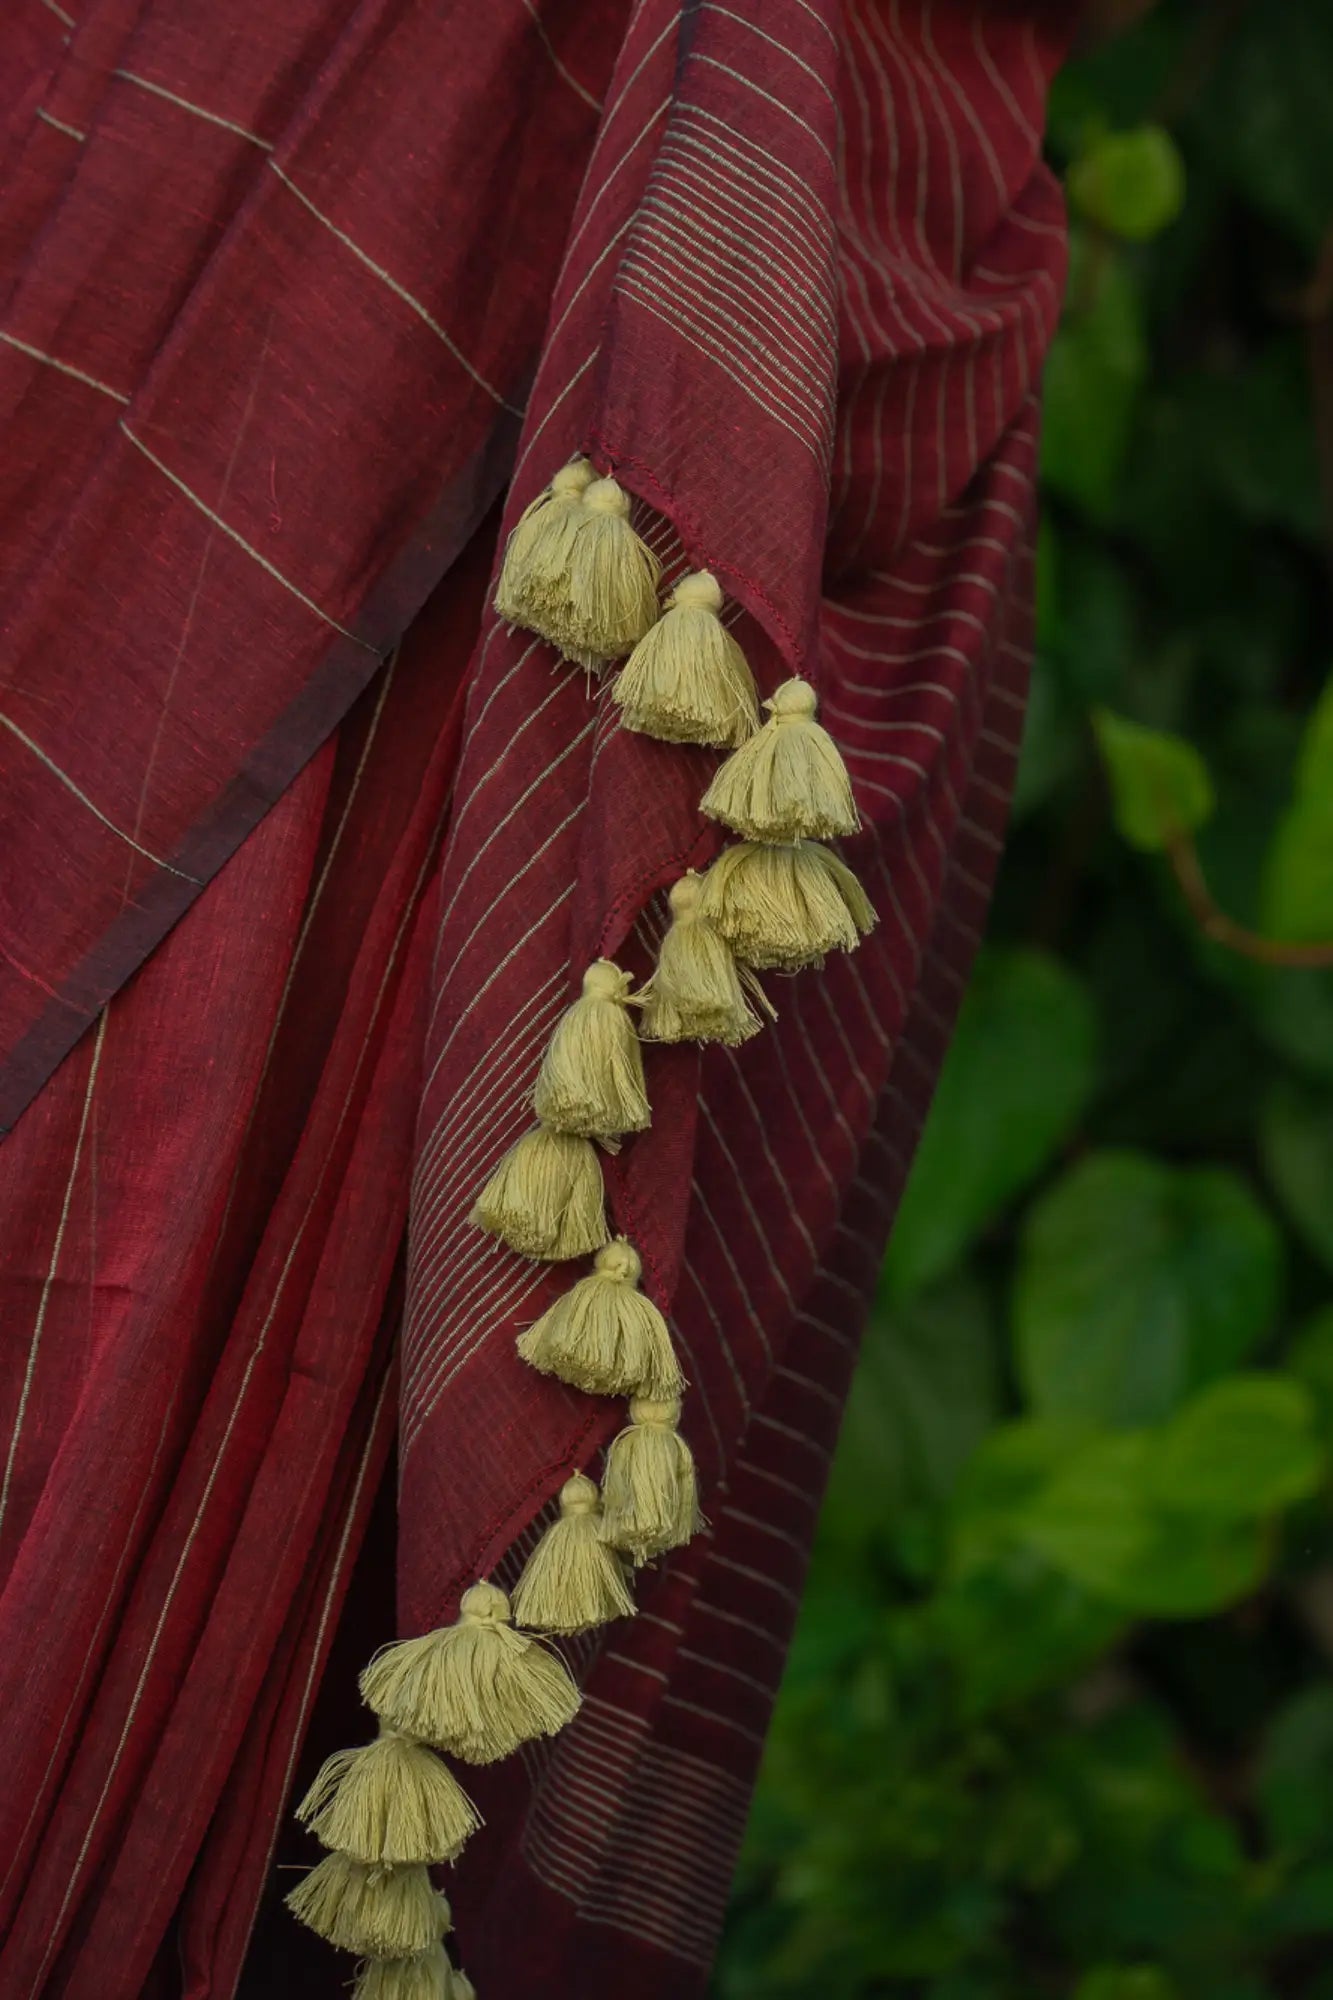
[(783, 788), (391, 1809), (576, 573), (777, 901)]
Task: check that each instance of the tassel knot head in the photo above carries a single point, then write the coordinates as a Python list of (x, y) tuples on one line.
[(684, 897), (794, 701), (579, 1495), (698, 591), (660, 1411), (572, 481), (484, 1604), (604, 496), (605, 981), (619, 1262)]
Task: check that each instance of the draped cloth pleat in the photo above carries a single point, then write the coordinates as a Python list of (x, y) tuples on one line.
[(301, 852)]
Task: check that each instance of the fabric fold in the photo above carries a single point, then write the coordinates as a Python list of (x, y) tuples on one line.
[(279, 321)]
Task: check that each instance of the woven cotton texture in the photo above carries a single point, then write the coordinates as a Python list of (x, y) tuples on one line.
[(292, 316)]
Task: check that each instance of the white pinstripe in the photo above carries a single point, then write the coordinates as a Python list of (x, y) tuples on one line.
[(59, 125), (556, 64), (399, 290)]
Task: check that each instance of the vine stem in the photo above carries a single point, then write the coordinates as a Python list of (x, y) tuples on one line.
[(1214, 922)]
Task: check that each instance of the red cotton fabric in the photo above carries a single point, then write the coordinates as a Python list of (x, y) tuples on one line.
[(302, 853)]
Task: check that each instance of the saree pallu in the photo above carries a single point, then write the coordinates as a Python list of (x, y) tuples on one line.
[(303, 852)]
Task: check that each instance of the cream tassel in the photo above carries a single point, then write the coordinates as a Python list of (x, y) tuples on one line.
[(604, 1336), (613, 579), (687, 680), (389, 1801), (573, 1580), (427, 1976), (535, 571), (787, 783), (381, 1912), (696, 992), (649, 1497), (595, 592), (591, 1078), (477, 1688), (785, 906), (545, 1199)]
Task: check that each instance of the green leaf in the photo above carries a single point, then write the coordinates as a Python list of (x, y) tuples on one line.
[(1094, 371), (1132, 183), (1296, 1775), (1171, 506), (1138, 1282), (1298, 900), (1315, 771), (1013, 1464), (1301, 1907), (1310, 1360), (1160, 786), (1126, 1982), (1296, 1139), (1050, 557), (1013, 1086), (1298, 895), (1242, 1448), (1098, 1520), (924, 1396), (1293, 1011), (1014, 1624), (1089, 1519)]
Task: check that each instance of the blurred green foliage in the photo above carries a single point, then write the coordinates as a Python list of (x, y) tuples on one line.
[(1059, 1717)]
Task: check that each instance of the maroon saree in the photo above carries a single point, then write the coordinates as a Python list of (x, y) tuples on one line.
[(302, 851)]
